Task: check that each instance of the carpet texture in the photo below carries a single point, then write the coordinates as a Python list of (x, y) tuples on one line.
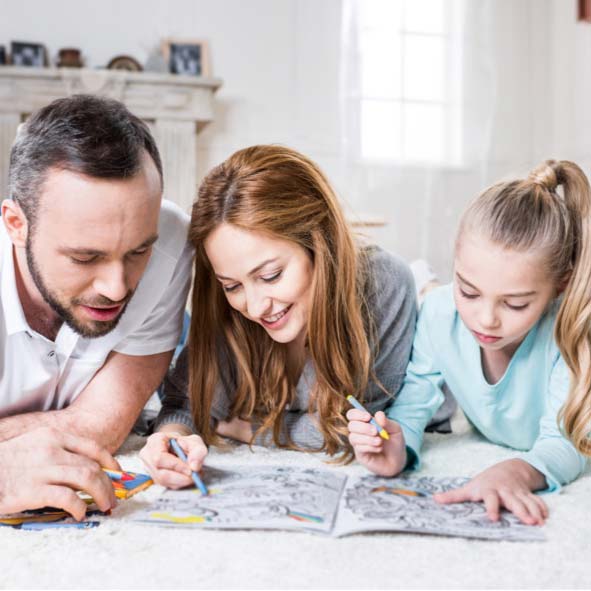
[(125, 555)]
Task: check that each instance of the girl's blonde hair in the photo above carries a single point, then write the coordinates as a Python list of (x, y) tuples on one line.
[(277, 191), (531, 214)]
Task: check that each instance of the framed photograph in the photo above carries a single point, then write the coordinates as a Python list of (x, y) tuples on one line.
[(186, 57), (585, 10), (27, 54)]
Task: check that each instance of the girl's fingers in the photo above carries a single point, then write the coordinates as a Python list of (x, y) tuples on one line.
[(492, 504), (356, 439), (517, 507), (543, 506), (353, 414), (456, 495), (362, 428), (534, 509), (366, 449)]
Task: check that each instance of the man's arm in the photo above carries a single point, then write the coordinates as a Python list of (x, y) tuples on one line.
[(107, 408)]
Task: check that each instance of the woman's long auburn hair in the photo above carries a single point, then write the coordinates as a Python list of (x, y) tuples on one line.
[(531, 215), (279, 192)]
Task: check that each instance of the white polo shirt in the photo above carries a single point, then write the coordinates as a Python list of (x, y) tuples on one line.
[(38, 374)]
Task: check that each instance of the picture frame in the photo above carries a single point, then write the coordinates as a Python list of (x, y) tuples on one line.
[(26, 54), (186, 57), (584, 11)]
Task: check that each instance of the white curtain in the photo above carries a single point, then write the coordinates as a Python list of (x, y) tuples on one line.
[(496, 112)]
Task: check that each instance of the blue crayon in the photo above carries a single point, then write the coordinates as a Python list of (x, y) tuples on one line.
[(36, 526), (181, 454)]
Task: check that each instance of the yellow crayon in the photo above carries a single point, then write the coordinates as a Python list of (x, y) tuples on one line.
[(381, 431)]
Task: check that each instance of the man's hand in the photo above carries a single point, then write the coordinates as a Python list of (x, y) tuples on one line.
[(164, 466), (45, 466), (383, 457), (508, 484), (237, 429)]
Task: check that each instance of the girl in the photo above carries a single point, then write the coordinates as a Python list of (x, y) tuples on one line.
[(289, 316), (502, 337)]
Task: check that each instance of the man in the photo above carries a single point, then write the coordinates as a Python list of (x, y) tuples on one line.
[(94, 274)]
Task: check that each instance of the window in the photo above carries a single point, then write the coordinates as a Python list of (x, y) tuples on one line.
[(409, 80)]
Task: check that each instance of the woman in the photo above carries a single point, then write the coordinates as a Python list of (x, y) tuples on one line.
[(289, 316)]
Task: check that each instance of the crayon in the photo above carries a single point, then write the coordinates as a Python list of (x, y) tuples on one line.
[(181, 454), (381, 431), (36, 526)]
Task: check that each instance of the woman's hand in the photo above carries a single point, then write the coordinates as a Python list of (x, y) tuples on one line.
[(238, 429), (164, 466), (508, 484), (381, 456)]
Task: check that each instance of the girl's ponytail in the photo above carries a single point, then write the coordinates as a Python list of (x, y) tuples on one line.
[(573, 323)]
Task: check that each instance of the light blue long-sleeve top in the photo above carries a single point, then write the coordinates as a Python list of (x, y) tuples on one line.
[(519, 411)]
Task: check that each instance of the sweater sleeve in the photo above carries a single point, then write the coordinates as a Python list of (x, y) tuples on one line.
[(421, 393), (394, 310), (552, 454), (176, 406), (392, 305)]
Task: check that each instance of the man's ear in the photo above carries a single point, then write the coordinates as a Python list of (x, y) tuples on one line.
[(15, 222)]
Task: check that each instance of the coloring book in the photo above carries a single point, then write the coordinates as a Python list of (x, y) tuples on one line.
[(324, 501)]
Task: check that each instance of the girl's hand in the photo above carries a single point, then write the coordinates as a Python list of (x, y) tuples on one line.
[(381, 456), (237, 429), (165, 467), (508, 484)]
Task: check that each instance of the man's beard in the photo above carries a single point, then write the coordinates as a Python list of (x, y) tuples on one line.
[(93, 329)]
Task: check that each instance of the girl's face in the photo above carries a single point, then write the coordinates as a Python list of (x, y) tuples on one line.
[(500, 294), (268, 280)]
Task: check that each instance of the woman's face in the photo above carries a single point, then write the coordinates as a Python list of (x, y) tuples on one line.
[(268, 280)]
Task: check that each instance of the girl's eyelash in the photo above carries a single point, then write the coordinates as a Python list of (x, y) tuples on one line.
[(229, 288), (271, 278), (469, 296), (517, 308)]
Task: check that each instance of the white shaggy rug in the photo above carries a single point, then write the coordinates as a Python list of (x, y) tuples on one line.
[(126, 555)]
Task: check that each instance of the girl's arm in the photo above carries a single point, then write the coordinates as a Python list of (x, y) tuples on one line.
[(552, 462), (553, 455), (421, 394)]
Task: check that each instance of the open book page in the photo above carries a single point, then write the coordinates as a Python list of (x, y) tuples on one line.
[(372, 503), (253, 497)]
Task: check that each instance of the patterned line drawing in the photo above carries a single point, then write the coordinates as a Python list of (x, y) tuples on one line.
[(324, 501)]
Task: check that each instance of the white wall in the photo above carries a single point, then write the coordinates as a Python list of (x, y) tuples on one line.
[(280, 60)]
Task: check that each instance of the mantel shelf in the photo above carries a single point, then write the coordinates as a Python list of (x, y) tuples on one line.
[(176, 107)]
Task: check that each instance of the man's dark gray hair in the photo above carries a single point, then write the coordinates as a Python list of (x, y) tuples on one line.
[(94, 136)]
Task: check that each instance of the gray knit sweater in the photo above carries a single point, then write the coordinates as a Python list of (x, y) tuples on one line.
[(393, 306)]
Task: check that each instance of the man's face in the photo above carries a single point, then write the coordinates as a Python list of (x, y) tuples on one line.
[(91, 243)]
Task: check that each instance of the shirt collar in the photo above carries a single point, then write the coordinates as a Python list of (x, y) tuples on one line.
[(14, 316)]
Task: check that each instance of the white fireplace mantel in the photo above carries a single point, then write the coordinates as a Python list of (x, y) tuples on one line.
[(175, 107)]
